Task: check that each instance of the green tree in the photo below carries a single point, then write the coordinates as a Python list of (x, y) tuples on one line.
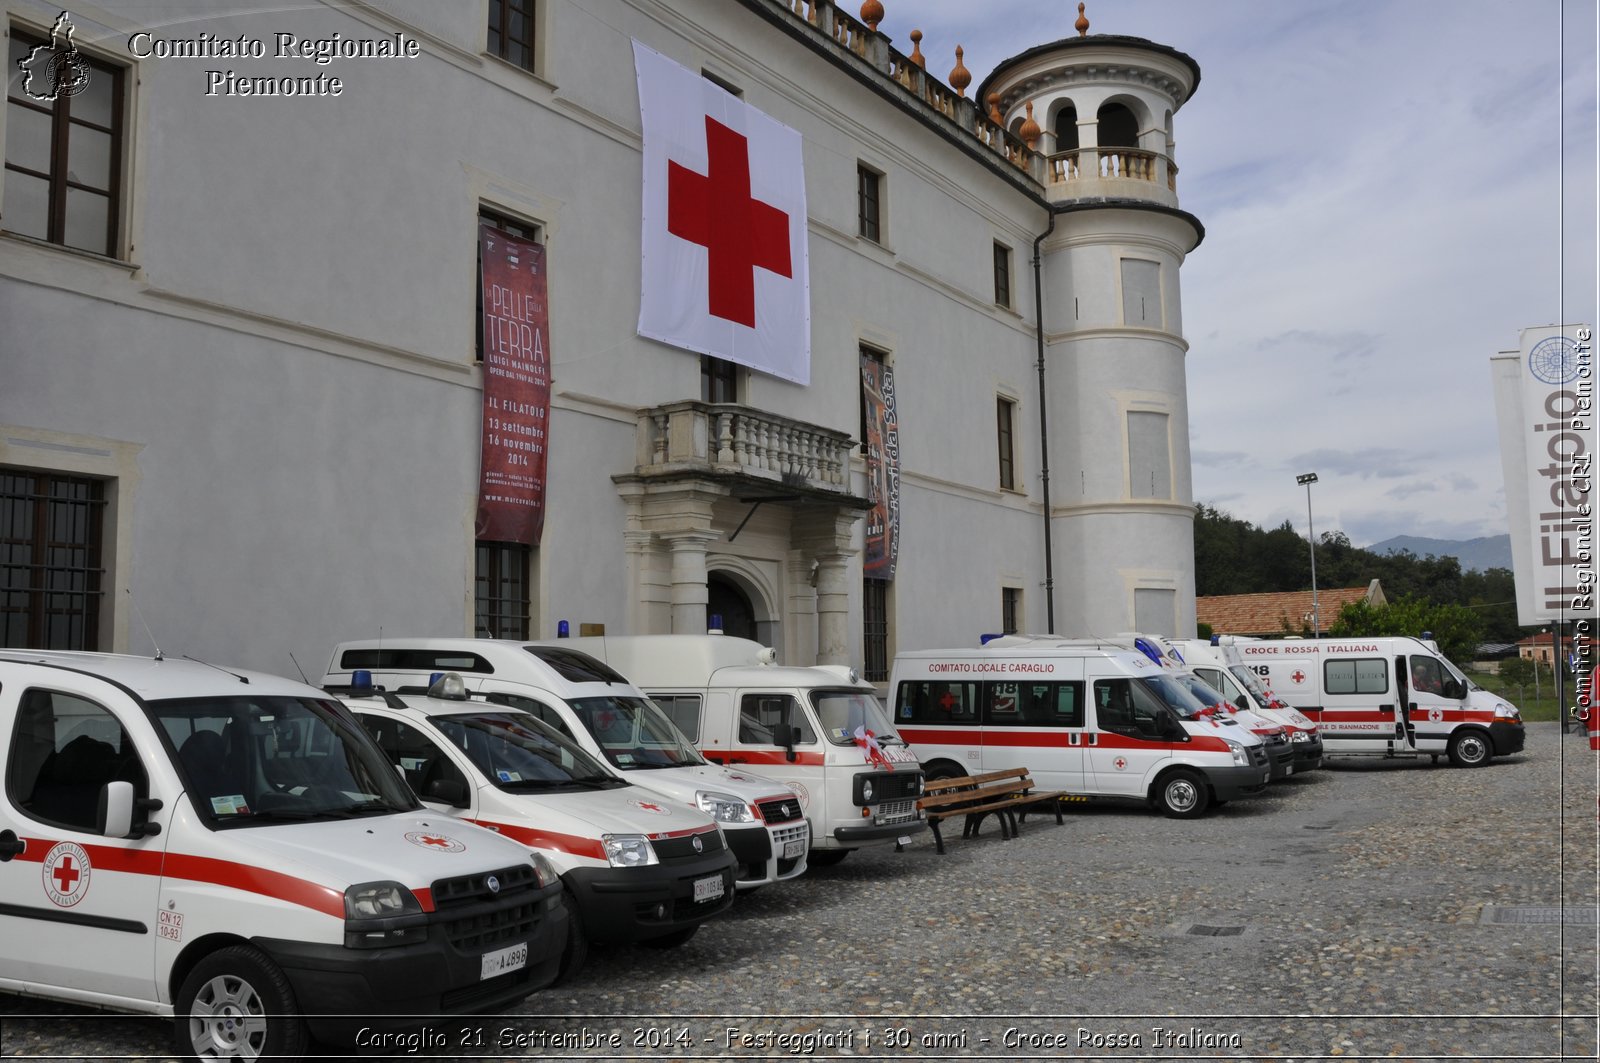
[(1456, 629), (1517, 670)]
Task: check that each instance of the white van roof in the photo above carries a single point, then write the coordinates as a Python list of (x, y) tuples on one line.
[(664, 662), (165, 677), (469, 656)]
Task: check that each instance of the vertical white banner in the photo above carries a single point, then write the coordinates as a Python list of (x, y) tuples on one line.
[(724, 265)]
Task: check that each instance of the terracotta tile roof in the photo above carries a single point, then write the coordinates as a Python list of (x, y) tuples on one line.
[(1268, 614)]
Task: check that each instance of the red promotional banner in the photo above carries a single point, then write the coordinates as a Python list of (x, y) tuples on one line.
[(516, 389), (883, 469)]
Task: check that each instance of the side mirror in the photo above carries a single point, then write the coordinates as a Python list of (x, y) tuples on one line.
[(1174, 729), (1241, 702), (1455, 689), (452, 792), (115, 812), (783, 734)]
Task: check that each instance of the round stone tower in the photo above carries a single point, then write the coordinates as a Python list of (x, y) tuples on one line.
[(1099, 108)]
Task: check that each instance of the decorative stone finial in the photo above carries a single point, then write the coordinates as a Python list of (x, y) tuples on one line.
[(960, 76), (994, 109), (916, 49), (872, 14), (1082, 25), (1030, 129)]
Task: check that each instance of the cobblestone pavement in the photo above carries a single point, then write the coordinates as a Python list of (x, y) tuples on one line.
[(1376, 909)]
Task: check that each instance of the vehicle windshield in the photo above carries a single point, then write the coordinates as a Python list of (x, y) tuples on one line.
[(1177, 696), (1208, 694), (519, 752), (635, 734), (1456, 672), (248, 761), (842, 711), (1252, 685)]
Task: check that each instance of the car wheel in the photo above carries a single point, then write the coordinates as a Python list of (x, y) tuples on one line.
[(1183, 795), (943, 770), (237, 1005), (1470, 749)]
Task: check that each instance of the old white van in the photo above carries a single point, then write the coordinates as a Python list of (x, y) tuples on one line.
[(231, 849)]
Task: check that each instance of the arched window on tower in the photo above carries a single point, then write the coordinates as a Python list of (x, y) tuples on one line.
[(1065, 128), (1118, 128)]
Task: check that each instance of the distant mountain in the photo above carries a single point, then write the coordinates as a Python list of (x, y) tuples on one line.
[(1475, 555)]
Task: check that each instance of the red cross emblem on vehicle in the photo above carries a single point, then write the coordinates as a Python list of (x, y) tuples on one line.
[(1120, 763), (435, 842), (66, 874), (739, 232), (430, 839), (651, 806), (947, 702), (1298, 676)]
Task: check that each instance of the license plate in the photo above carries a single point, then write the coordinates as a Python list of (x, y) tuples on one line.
[(793, 850), (707, 889), (504, 961)]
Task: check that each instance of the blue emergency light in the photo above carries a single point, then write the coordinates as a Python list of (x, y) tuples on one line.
[(562, 629)]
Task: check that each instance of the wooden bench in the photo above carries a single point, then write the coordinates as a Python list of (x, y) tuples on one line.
[(1004, 793)]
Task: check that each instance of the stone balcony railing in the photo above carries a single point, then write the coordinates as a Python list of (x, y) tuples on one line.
[(731, 440)]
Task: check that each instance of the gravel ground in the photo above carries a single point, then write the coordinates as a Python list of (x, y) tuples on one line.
[(1375, 909)]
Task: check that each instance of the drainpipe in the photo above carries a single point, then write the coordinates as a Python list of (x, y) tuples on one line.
[(1044, 433)]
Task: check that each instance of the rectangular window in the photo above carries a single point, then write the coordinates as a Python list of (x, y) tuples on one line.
[(935, 701), (1033, 704), (1155, 611), (1004, 413), (501, 590), (726, 86), (875, 629), (50, 569), (1002, 275), (1359, 676), (505, 225), (683, 710), (868, 203), (1141, 292), (511, 31), (1149, 456), (63, 179), (1011, 610), (719, 380)]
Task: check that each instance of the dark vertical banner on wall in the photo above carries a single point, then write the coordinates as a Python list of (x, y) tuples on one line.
[(883, 468), (516, 389)]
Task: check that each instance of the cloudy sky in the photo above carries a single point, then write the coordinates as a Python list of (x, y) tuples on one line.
[(1391, 190)]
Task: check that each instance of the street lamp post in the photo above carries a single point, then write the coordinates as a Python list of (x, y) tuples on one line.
[(1316, 616)]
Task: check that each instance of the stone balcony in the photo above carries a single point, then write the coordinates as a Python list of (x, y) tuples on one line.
[(747, 446), (1112, 173)]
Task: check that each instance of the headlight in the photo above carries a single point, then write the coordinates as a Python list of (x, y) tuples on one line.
[(543, 868), (866, 790), (1299, 736), (1505, 712), (724, 808), (376, 900), (629, 850), (1240, 757), (381, 914)]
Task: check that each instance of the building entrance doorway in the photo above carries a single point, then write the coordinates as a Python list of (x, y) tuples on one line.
[(726, 599)]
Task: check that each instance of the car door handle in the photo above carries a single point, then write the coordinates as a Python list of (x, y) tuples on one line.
[(10, 845), (1385, 708)]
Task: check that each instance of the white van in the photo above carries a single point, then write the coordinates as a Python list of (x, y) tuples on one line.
[(634, 868), (818, 730), (232, 850), (1096, 721), (1216, 660), (595, 706), (1385, 696)]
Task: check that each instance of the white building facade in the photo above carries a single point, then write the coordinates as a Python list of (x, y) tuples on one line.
[(241, 385)]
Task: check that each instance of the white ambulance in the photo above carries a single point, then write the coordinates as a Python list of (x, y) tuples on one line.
[(1385, 696), (595, 706), (1096, 721), (1216, 661), (231, 849), (817, 729), (634, 867)]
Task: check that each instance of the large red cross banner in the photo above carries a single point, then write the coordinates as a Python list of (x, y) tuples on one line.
[(516, 389), (724, 268)]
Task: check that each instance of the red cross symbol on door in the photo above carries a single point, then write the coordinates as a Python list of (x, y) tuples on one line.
[(1298, 676), (66, 875), (430, 839), (739, 233)]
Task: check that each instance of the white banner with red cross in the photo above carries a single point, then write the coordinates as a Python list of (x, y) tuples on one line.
[(724, 231)]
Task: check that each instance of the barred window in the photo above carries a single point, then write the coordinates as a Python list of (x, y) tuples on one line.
[(51, 574)]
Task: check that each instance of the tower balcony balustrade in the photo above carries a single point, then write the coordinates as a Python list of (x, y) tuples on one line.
[(1111, 172)]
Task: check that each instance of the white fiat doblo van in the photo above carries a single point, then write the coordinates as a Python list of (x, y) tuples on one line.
[(595, 706), (635, 868), (231, 849)]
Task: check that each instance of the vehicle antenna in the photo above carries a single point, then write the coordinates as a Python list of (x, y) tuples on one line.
[(142, 624), (297, 668)]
